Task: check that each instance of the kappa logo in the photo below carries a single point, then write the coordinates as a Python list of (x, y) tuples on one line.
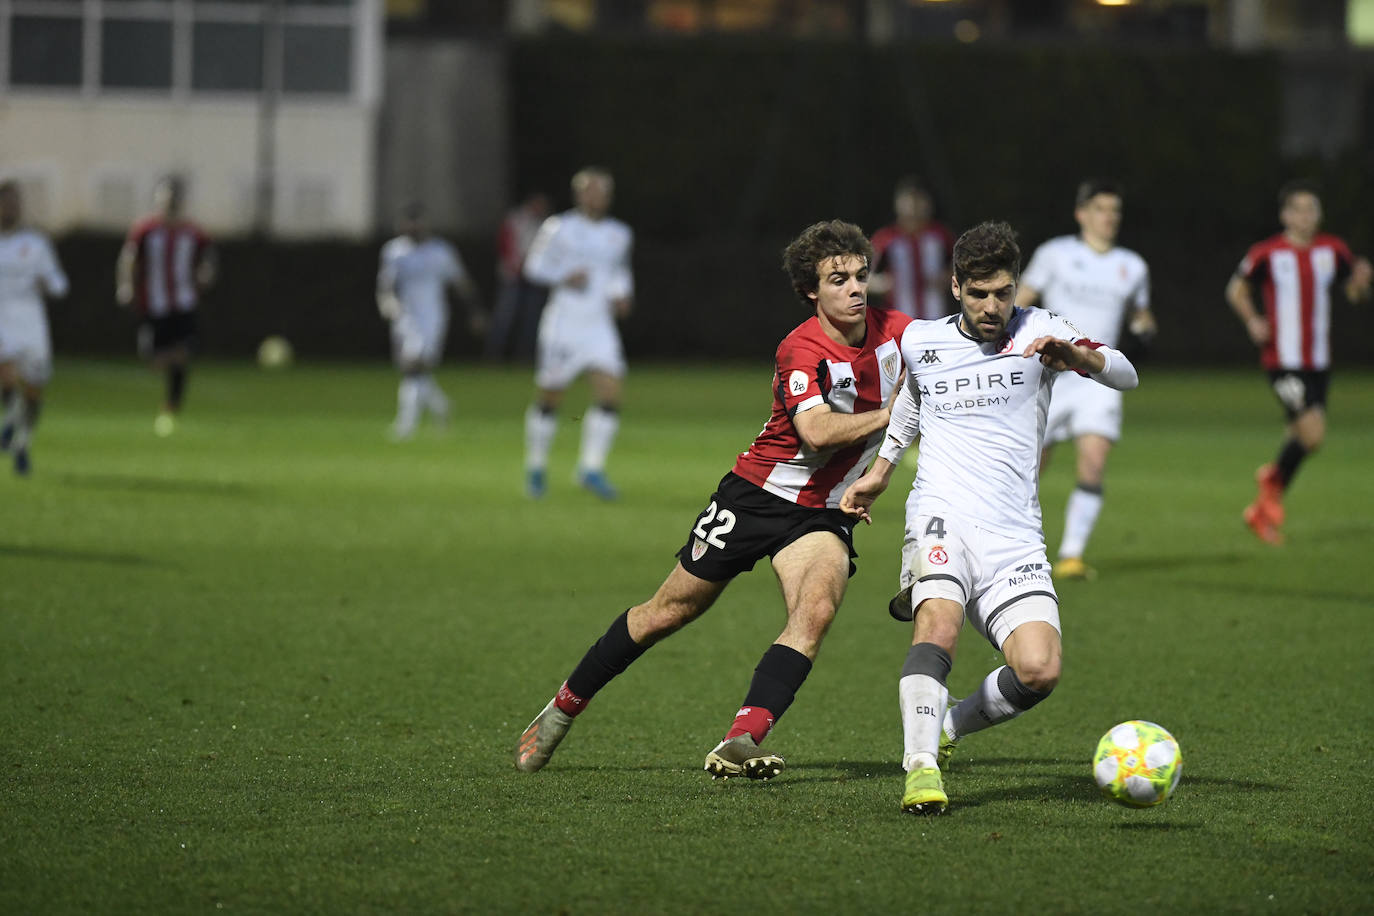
[(890, 365), (937, 556), (1031, 567), (699, 548), (929, 357)]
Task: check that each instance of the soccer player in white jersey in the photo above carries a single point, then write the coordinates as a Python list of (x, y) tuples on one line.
[(29, 273), (583, 255), (834, 378), (977, 393), (1094, 283), (416, 271)]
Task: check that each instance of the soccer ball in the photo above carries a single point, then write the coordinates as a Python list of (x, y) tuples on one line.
[(274, 353), (1137, 764)]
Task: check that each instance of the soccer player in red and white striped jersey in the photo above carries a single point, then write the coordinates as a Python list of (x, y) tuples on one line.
[(832, 388), (1295, 272), (911, 256), (166, 263)]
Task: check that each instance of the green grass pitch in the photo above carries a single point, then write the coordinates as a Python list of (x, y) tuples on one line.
[(276, 663)]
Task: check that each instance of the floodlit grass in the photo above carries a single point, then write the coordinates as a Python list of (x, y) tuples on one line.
[(276, 663)]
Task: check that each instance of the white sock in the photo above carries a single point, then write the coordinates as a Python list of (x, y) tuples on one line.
[(539, 430), (408, 397), (1079, 518), (433, 397), (983, 708), (599, 427), (23, 424), (923, 701)]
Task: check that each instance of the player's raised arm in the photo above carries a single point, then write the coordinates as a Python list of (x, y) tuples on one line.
[(1358, 285), (1099, 363)]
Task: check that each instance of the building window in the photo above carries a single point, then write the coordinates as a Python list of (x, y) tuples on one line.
[(45, 51), (136, 54), (226, 57), (317, 58)]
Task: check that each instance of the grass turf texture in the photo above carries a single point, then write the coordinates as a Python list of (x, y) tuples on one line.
[(278, 663)]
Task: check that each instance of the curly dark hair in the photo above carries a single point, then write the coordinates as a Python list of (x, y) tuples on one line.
[(984, 250), (801, 260)]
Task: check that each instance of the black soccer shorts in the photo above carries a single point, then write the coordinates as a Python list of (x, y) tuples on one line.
[(160, 334), (744, 523), (1299, 389)]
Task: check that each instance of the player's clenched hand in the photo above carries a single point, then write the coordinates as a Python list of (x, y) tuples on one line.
[(1258, 329), (860, 495), (1060, 354)]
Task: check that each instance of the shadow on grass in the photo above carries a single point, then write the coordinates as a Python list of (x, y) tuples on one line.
[(1171, 562), (77, 556), (153, 484), (1271, 590)]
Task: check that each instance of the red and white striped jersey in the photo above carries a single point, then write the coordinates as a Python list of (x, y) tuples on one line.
[(1295, 284), (919, 266), (166, 255), (811, 369)]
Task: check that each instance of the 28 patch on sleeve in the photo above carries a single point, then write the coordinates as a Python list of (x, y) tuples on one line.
[(797, 382)]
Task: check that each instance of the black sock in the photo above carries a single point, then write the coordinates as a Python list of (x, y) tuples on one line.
[(1290, 456), (778, 677), (1017, 693), (176, 385), (608, 656), (32, 408)]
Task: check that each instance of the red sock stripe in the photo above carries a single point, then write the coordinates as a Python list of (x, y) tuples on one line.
[(754, 721), (568, 701)]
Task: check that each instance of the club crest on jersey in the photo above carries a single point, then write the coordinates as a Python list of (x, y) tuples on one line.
[(698, 548), (937, 556), (1007, 344), (797, 382), (890, 365)]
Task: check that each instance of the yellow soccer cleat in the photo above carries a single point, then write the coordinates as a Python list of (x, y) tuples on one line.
[(925, 792), (1073, 568)]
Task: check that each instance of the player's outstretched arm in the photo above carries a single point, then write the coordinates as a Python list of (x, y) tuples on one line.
[(864, 492), (820, 427), (1357, 288), (1102, 364)]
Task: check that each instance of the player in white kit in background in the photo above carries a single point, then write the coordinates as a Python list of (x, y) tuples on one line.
[(417, 270), (29, 274), (1093, 282), (977, 393), (583, 255)]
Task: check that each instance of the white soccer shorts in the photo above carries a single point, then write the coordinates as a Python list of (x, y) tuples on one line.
[(1001, 582), (563, 357), (1079, 407), (418, 341), (29, 348)]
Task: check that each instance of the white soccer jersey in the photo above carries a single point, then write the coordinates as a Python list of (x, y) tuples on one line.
[(569, 243), (1091, 288), (28, 271), (417, 274), (981, 419)]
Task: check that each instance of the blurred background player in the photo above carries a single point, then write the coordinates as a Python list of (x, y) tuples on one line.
[(515, 321), (833, 381), (29, 273), (166, 263), (911, 256), (1295, 271), (583, 255), (416, 271), (1093, 282)]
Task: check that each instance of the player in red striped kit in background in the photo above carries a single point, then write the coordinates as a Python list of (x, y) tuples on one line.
[(1294, 271), (911, 257), (166, 263), (832, 387)]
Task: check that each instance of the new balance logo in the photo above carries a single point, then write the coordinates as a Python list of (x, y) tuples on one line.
[(930, 356)]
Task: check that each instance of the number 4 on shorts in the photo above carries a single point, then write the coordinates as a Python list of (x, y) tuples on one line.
[(936, 527)]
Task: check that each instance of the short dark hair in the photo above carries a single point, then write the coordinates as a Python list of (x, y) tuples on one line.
[(801, 259), (984, 250), (1092, 187), (1298, 186), (9, 186)]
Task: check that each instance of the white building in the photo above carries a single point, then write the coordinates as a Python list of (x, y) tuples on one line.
[(267, 107)]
